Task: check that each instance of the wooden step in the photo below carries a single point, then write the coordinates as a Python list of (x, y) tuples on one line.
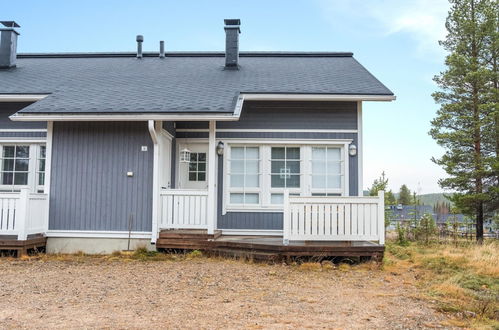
[(268, 256), (189, 234)]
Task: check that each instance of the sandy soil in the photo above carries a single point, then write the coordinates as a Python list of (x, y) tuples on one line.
[(204, 293)]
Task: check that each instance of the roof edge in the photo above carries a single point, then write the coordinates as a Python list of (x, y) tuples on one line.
[(182, 54)]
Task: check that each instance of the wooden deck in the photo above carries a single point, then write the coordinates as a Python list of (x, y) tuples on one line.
[(11, 243), (264, 247)]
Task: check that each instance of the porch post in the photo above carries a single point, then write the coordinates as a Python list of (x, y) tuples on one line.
[(212, 191), (151, 125)]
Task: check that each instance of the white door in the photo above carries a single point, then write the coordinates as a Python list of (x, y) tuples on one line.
[(194, 175)]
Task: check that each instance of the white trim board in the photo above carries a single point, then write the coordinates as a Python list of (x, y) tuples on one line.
[(23, 130), (22, 97), (97, 234), (122, 117), (270, 130), (252, 232), (316, 97)]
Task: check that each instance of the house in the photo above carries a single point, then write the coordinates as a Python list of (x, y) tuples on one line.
[(101, 150)]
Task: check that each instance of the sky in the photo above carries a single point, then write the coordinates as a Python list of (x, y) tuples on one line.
[(395, 40)]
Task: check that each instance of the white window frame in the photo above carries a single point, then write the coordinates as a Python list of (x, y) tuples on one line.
[(34, 152), (243, 190), (265, 190)]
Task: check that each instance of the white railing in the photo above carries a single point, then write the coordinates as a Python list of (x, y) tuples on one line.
[(334, 218), (22, 213), (184, 209)]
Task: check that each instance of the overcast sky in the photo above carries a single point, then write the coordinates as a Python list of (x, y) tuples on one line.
[(396, 40)]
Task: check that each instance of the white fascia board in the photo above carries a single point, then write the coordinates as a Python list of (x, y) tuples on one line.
[(96, 234), (121, 117), (316, 97), (21, 97)]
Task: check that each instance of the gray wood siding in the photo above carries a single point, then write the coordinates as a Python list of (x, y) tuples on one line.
[(10, 108), (89, 186)]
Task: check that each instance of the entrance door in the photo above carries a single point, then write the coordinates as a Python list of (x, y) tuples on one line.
[(194, 175)]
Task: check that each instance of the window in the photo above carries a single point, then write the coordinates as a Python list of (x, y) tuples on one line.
[(244, 172), (41, 166), (285, 167), (197, 166), (15, 165), (259, 175), (326, 170)]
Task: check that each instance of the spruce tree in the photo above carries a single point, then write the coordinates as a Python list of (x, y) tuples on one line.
[(405, 195), (466, 124)]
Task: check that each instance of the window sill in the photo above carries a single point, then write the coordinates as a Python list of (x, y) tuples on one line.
[(270, 209)]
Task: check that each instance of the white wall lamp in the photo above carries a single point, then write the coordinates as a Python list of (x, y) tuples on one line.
[(220, 148), (185, 156), (352, 150)]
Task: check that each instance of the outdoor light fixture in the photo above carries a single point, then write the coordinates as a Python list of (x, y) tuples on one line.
[(352, 150), (220, 148), (185, 155)]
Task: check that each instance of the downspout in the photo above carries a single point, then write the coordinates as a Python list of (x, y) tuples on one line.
[(155, 181)]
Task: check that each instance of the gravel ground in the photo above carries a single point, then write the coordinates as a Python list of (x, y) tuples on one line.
[(204, 293)]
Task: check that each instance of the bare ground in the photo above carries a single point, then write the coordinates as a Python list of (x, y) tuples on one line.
[(204, 293)]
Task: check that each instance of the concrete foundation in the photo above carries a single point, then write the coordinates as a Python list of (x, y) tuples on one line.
[(95, 245)]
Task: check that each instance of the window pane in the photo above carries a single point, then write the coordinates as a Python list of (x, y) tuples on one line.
[(7, 178), (237, 153), (192, 176), (318, 181), (22, 151), (277, 153), (276, 198), (201, 176), (318, 167), (237, 166), (333, 168), (41, 179), (237, 181), (41, 165), (333, 154), (252, 153), (334, 181), (277, 181), (8, 151), (194, 157), (237, 198), (294, 167), (252, 166), (293, 181), (251, 198), (293, 153), (21, 178), (202, 156), (277, 166), (319, 153), (202, 167), (42, 151), (252, 181), (8, 164), (193, 166), (22, 164)]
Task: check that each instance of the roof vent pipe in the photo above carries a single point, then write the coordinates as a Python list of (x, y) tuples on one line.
[(232, 31), (139, 39), (161, 49), (8, 44)]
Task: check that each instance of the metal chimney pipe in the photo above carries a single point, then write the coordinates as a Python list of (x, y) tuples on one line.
[(161, 49), (139, 39)]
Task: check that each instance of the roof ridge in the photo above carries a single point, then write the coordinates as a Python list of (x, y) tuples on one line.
[(186, 54)]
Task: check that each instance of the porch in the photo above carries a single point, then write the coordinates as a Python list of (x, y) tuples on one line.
[(23, 219), (312, 226)]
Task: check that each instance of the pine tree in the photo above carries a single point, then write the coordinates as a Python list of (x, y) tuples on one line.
[(405, 195), (466, 123)]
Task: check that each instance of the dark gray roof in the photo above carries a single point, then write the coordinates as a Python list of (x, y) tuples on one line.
[(182, 82)]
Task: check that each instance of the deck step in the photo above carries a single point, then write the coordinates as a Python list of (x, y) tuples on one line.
[(189, 234), (269, 256)]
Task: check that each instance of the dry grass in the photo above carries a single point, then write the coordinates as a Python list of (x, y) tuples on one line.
[(462, 278)]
